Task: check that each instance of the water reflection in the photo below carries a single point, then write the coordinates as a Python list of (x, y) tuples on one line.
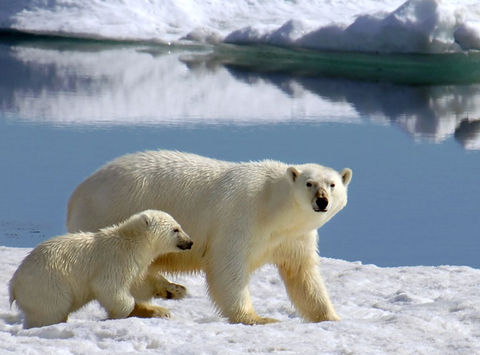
[(147, 98), (468, 133), (88, 84)]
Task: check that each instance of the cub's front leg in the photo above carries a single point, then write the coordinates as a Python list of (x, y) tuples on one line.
[(166, 289), (153, 284)]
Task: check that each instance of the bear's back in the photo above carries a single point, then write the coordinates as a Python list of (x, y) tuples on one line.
[(60, 254)]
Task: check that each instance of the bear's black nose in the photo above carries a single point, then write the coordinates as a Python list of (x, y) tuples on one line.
[(185, 244), (322, 203)]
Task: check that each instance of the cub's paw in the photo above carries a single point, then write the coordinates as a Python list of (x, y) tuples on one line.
[(171, 291), (144, 310), (253, 320)]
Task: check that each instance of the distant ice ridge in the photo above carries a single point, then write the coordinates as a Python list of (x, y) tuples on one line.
[(414, 26), (417, 26)]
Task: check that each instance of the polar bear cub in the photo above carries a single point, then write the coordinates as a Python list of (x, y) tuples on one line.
[(64, 273)]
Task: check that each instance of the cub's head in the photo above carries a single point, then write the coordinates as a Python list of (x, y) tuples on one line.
[(164, 232), (319, 189)]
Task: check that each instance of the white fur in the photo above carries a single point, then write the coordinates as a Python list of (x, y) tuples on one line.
[(64, 273), (240, 216)]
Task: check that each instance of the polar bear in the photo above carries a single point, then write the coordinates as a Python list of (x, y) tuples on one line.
[(239, 215), (64, 273)]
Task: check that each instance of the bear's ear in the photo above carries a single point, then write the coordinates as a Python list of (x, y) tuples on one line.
[(145, 219), (292, 173), (346, 175)]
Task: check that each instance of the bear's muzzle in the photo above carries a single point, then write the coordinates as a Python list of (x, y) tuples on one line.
[(185, 244), (321, 204)]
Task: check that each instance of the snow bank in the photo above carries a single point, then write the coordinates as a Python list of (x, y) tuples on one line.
[(417, 26), (425, 26), (404, 310)]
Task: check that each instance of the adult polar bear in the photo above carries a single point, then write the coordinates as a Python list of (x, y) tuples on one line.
[(240, 216)]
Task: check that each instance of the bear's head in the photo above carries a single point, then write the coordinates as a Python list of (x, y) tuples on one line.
[(164, 232), (319, 189)]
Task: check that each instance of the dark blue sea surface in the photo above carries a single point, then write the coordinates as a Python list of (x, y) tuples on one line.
[(67, 107)]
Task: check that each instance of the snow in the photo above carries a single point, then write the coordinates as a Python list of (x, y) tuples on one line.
[(417, 26), (420, 26), (401, 310)]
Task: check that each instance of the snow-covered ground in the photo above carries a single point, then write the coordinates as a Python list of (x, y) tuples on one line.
[(402, 310)]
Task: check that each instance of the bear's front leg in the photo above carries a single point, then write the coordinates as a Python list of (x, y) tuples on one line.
[(227, 278), (228, 288), (298, 263)]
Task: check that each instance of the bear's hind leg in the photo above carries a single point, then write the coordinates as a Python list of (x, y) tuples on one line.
[(49, 308), (41, 319)]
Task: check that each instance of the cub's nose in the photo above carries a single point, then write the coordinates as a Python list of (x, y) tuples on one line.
[(185, 244), (322, 203)]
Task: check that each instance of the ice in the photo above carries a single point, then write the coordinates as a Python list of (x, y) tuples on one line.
[(401, 310), (414, 26)]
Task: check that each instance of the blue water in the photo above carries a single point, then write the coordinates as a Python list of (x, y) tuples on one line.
[(413, 199)]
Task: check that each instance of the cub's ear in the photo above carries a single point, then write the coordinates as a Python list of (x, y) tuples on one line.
[(346, 175), (292, 173)]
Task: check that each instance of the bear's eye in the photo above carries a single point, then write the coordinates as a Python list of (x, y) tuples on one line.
[(309, 184), (332, 185), (176, 230)]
